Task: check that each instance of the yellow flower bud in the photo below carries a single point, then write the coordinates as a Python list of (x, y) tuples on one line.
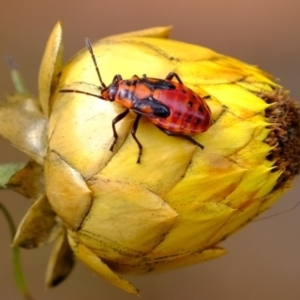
[(173, 208)]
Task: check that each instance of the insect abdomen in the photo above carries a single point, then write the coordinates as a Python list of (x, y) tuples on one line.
[(189, 113)]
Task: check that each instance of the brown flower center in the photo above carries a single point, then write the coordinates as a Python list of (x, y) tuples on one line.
[(284, 137)]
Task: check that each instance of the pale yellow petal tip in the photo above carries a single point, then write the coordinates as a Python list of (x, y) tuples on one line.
[(156, 32), (57, 29), (50, 65), (59, 23), (98, 265)]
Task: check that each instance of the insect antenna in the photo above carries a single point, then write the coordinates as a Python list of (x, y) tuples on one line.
[(89, 46)]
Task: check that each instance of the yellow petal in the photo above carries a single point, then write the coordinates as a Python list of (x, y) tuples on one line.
[(24, 125), (108, 225), (38, 225), (50, 66), (28, 181), (71, 203), (61, 261), (98, 266), (158, 32)]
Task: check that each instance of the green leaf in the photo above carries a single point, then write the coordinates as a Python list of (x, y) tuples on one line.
[(7, 171)]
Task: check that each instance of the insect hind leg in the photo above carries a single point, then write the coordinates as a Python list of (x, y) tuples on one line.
[(171, 75), (133, 132), (186, 137)]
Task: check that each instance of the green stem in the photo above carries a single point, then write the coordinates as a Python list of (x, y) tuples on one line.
[(16, 76), (17, 269)]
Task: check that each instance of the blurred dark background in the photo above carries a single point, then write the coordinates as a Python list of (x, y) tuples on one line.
[(263, 259)]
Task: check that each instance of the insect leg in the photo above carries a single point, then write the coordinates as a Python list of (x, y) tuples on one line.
[(182, 136), (117, 78), (133, 132), (114, 122), (171, 75)]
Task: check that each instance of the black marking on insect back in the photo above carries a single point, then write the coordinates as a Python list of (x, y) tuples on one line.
[(159, 110), (200, 109), (134, 82), (178, 115), (190, 104), (189, 119), (125, 94), (127, 82), (157, 84), (130, 82), (198, 121)]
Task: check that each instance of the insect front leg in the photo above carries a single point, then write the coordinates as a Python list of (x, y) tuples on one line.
[(182, 136), (117, 78), (133, 132), (114, 122)]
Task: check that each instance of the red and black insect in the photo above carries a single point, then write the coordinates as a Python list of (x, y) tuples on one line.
[(170, 105)]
